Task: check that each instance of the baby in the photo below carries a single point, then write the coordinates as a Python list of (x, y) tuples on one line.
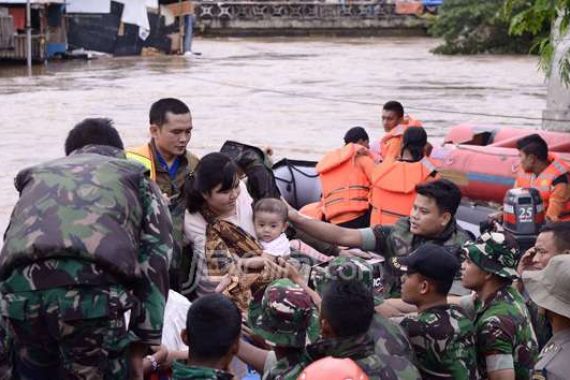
[(270, 221)]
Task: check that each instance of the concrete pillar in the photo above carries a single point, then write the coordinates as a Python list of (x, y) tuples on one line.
[(558, 95)]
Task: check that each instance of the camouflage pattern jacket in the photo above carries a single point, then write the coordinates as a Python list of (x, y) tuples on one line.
[(361, 350), (503, 328), (443, 338), (289, 368), (91, 218), (389, 338), (182, 372), (397, 240)]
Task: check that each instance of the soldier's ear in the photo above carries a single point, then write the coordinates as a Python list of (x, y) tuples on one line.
[(184, 336), (424, 287), (445, 218)]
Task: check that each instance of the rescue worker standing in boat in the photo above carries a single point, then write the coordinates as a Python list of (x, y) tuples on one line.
[(395, 124), (545, 173), (345, 180), (394, 182), (169, 164)]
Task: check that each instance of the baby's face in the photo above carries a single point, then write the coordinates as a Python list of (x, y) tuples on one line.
[(268, 226)]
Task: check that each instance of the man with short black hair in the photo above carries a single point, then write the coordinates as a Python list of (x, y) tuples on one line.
[(442, 336), (347, 310), (395, 124), (357, 135), (553, 240), (169, 164), (547, 174), (89, 239), (432, 220), (212, 333), (345, 175)]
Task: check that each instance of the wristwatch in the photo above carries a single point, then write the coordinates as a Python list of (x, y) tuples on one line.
[(153, 363)]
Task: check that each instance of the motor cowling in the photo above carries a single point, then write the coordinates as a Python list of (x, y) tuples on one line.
[(523, 215)]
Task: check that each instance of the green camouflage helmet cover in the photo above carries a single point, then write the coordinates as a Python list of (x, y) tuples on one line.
[(347, 268), (492, 254), (284, 316)]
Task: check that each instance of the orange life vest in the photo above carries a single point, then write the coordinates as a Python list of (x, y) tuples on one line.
[(313, 210), (344, 184), (393, 189), (391, 142), (543, 183)]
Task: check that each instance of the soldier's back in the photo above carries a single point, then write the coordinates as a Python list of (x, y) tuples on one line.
[(443, 339)]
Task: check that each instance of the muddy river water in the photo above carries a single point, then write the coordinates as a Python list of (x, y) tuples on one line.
[(297, 95)]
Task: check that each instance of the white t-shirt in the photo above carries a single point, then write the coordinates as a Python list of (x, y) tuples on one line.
[(175, 314), (278, 247), (195, 233)]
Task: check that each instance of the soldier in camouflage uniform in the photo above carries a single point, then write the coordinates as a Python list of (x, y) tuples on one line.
[(347, 310), (89, 239), (389, 338), (282, 319), (212, 333), (442, 336), (505, 339), (432, 220), (170, 164)]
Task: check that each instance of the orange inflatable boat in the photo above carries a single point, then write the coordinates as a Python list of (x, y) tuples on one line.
[(483, 160)]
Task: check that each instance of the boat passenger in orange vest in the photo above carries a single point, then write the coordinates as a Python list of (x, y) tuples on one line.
[(547, 174), (395, 124), (394, 181), (169, 163), (345, 181)]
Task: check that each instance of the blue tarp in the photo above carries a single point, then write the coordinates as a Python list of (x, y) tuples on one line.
[(431, 3)]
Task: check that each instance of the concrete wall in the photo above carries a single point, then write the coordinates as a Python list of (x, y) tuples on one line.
[(305, 18)]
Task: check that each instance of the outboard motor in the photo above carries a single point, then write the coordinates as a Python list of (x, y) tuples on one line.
[(523, 215)]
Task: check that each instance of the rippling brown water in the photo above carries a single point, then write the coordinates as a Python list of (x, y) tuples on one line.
[(265, 92)]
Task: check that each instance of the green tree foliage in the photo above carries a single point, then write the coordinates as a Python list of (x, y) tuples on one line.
[(482, 26), (530, 16)]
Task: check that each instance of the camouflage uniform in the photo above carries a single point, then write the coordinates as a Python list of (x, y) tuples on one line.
[(502, 321), (174, 189), (361, 350), (282, 319), (389, 338), (397, 241), (89, 238), (182, 372), (443, 338)]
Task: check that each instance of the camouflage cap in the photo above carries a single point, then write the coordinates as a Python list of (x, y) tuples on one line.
[(492, 253), (284, 315), (348, 268)]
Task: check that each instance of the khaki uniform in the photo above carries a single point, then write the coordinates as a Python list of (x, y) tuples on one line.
[(554, 360)]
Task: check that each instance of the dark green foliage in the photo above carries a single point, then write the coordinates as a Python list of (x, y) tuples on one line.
[(480, 26)]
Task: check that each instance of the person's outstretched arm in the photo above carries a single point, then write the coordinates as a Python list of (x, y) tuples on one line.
[(327, 232)]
